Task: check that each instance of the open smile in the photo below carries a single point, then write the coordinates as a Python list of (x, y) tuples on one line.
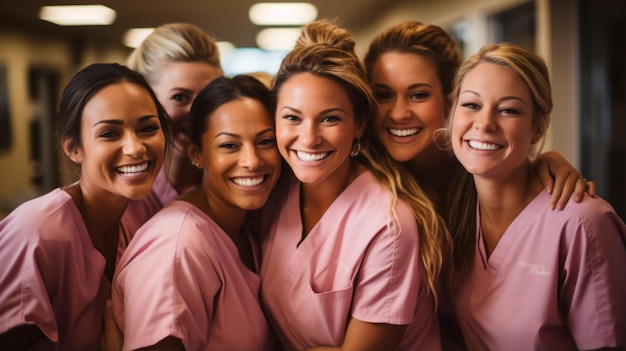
[(311, 157), (480, 145), (404, 132)]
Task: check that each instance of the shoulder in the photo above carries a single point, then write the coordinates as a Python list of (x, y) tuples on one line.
[(53, 216)]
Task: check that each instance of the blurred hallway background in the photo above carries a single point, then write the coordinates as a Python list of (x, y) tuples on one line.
[(581, 40)]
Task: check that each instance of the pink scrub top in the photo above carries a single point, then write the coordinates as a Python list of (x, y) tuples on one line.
[(51, 275), (181, 276), (162, 193), (555, 281), (356, 262)]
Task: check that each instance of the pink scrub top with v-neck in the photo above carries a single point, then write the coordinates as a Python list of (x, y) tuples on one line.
[(356, 262), (181, 276), (555, 281), (51, 276)]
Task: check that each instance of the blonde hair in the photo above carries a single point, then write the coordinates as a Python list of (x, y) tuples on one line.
[(533, 71), (327, 51), (178, 42)]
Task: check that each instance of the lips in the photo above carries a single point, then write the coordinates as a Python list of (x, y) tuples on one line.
[(311, 157), (480, 145)]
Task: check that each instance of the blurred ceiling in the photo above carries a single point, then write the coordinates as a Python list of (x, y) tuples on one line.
[(226, 20)]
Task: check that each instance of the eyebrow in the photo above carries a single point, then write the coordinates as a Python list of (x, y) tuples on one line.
[(323, 112), (500, 99), (120, 122), (412, 86), (239, 136)]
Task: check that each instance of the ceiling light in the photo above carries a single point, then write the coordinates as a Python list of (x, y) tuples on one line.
[(283, 13), (78, 15), (277, 38), (133, 37)]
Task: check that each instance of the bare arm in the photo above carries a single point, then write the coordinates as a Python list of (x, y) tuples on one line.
[(365, 336), (561, 179), (111, 339)]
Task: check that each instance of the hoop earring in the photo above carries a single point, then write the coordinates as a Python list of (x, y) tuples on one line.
[(356, 148)]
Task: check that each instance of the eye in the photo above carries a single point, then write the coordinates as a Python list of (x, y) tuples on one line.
[(151, 129), (181, 98), (509, 111), (383, 95), (470, 105), (108, 134), (330, 119), (291, 118), (267, 142), (228, 145), (419, 95)]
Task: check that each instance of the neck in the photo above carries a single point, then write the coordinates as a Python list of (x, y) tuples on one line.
[(181, 173), (315, 199), (227, 217), (503, 198), (434, 171), (102, 213)]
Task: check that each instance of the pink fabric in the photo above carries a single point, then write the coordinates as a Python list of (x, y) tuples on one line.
[(51, 275), (162, 193), (181, 276), (555, 281), (356, 262)]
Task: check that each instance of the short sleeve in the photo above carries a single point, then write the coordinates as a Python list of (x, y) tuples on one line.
[(162, 289), (389, 279), (594, 287)]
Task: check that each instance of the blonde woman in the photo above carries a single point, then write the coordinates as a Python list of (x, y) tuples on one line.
[(178, 60), (533, 278)]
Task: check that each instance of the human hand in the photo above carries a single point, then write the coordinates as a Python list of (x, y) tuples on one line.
[(562, 180)]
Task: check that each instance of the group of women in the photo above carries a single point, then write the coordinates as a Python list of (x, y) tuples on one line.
[(371, 205)]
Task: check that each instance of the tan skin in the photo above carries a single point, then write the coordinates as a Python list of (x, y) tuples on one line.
[(410, 96)]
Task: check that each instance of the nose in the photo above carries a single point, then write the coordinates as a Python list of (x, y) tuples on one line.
[(486, 121), (309, 135), (133, 145), (250, 158), (399, 110)]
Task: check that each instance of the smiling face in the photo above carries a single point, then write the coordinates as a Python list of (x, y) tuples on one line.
[(122, 144), (239, 157), (315, 128), (492, 126), (411, 104), (177, 86)]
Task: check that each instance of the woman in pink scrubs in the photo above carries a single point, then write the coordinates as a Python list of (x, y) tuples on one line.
[(189, 279), (354, 248), (534, 279), (59, 251)]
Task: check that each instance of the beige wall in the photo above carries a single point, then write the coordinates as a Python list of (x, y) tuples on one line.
[(18, 53), (556, 42)]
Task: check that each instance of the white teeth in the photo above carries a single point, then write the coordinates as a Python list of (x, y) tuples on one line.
[(248, 181), (306, 157), (483, 146), (133, 169), (404, 132)]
